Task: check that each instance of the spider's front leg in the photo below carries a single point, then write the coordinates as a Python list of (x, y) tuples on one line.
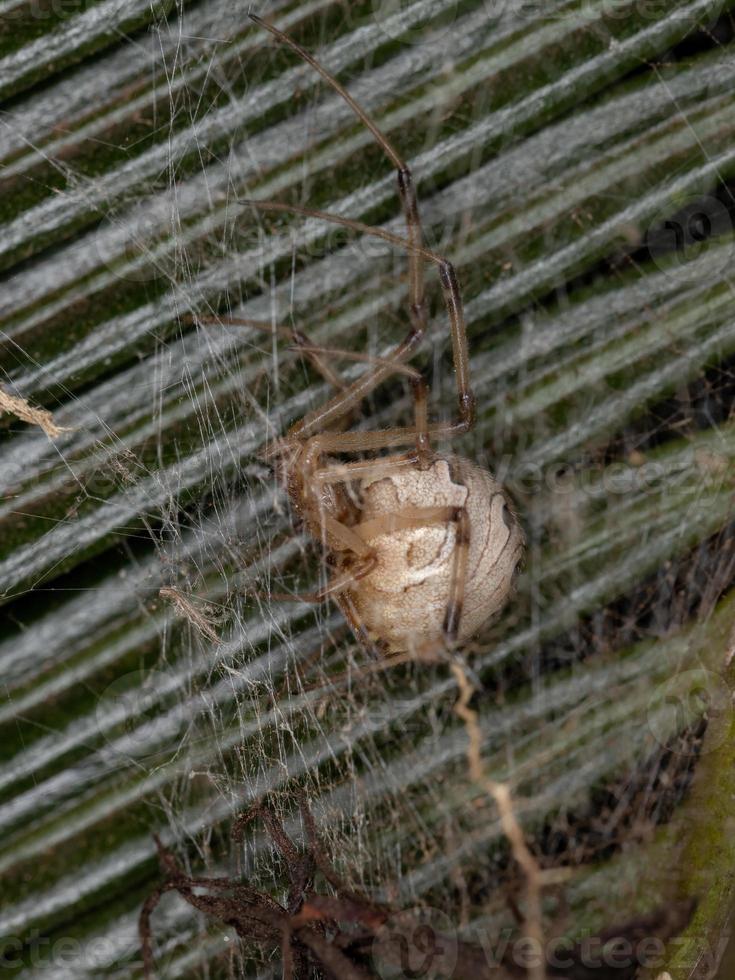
[(337, 584), (299, 342)]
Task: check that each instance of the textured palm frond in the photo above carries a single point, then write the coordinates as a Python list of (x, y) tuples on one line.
[(576, 161)]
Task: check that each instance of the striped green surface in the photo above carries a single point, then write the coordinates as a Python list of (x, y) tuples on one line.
[(548, 150)]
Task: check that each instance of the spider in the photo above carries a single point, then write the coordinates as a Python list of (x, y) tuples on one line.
[(424, 545)]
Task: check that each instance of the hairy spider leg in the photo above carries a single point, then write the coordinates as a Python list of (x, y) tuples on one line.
[(406, 187), (335, 408), (299, 341), (409, 205), (338, 583)]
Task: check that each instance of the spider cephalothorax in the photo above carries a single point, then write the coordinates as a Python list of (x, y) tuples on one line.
[(424, 545)]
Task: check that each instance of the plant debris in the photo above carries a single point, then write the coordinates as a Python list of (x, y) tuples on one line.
[(200, 619), (22, 410), (348, 936)]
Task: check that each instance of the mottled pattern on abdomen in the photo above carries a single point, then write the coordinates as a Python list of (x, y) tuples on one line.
[(404, 600)]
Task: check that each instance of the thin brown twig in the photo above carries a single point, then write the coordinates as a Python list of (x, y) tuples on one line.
[(500, 793)]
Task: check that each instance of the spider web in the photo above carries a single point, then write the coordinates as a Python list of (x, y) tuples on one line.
[(148, 688)]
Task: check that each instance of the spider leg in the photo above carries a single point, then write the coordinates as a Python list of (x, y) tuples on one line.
[(419, 389), (349, 355), (406, 188), (453, 612), (300, 342), (337, 584), (363, 469), (321, 418), (315, 353), (409, 205), (349, 611), (372, 439), (406, 517)]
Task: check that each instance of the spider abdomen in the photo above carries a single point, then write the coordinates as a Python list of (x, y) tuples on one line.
[(404, 599)]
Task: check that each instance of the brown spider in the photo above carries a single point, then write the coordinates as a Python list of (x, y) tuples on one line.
[(425, 547)]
